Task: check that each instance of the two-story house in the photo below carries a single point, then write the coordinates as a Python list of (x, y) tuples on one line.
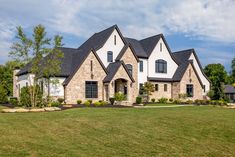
[(108, 63)]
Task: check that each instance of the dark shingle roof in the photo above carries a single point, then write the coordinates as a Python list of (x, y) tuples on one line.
[(139, 50), (150, 43), (229, 89), (112, 70)]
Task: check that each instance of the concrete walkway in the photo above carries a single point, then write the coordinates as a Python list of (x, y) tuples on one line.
[(169, 106)]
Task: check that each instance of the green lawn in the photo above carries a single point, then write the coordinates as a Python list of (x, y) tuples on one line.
[(185, 131), (160, 104)]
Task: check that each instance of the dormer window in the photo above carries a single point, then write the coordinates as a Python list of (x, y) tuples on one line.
[(160, 66), (115, 40), (110, 56)]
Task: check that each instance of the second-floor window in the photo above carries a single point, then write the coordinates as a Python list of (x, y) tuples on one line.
[(160, 66), (115, 40), (130, 69), (141, 66), (160, 47), (110, 56)]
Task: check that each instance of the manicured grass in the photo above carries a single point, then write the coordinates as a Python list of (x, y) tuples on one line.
[(185, 131), (2, 107)]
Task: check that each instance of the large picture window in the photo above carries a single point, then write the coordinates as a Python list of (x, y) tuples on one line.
[(91, 89), (110, 56), (189, 90), (160, 66)]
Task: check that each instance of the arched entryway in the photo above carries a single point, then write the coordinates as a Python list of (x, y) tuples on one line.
[(120, 85)]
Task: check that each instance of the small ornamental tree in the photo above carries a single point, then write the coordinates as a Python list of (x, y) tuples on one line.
[(41, 54), (148, 89)]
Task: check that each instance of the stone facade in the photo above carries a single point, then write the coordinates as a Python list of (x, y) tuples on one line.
[(129, 58), (161, 93), (180, 87), (76, 87)]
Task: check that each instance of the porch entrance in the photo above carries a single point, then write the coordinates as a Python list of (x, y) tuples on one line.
[(121, 86)]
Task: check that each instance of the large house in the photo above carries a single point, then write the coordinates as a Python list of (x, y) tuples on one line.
[(108, 63)]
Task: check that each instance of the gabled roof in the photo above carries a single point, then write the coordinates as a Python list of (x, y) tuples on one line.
[(138, 48), (77, 62), (124, 50), (66, 67), (112, 70), (183, 56), (229, 89)]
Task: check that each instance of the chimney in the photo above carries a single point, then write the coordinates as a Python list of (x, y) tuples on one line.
[(15, 81)]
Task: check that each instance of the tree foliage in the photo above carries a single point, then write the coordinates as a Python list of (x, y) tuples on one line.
[(41, 52), (217, 75), (148, 89)]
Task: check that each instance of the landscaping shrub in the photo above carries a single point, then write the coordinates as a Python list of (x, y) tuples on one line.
[(25, 97), (14, 101), (153, 100), (79, 102), (55, 103), (61, 100), (3, 95), (112, 100), (163, 100), (138, 100), (171, 100), (189, 102), (87, 103), (90, 101), (177, 101), (119, 96), (103, 103), (97, 104)]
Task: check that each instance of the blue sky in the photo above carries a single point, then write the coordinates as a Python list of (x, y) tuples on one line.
[(205, 25)]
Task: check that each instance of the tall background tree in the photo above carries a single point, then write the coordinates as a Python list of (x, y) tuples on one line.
[(35, 50), (218, 76)]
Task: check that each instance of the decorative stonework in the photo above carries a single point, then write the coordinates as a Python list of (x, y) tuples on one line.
[(161, 93), (76, 87)]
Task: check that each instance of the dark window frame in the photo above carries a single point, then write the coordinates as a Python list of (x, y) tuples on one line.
[(156, 87), (110, 56), (141, 86), (160, 47), (130, 68), (141, 66), (115, 40), (91, 89), (189, 90), (165, 88), (160, 66)]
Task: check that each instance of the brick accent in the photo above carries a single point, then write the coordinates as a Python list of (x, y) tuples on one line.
[(76, 88)]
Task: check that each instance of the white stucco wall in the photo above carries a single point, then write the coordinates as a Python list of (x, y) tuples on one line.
[(24, 79), (142, 76), (202, 77), (57, 89), (110, 46), (165, 55)]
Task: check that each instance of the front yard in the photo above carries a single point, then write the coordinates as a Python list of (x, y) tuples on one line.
[(185, 131)]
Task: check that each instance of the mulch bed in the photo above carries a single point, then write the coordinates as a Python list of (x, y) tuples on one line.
[(92, 106)]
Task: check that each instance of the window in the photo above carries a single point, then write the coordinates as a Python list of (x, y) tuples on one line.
[(27, 84), (189, 90), (91, 89), (130, 69), (115, 40), (204, 88), (160, 66), (110, 56), (165, 87), (160, 47), (156, 87), (141, 88), (141, 66)]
